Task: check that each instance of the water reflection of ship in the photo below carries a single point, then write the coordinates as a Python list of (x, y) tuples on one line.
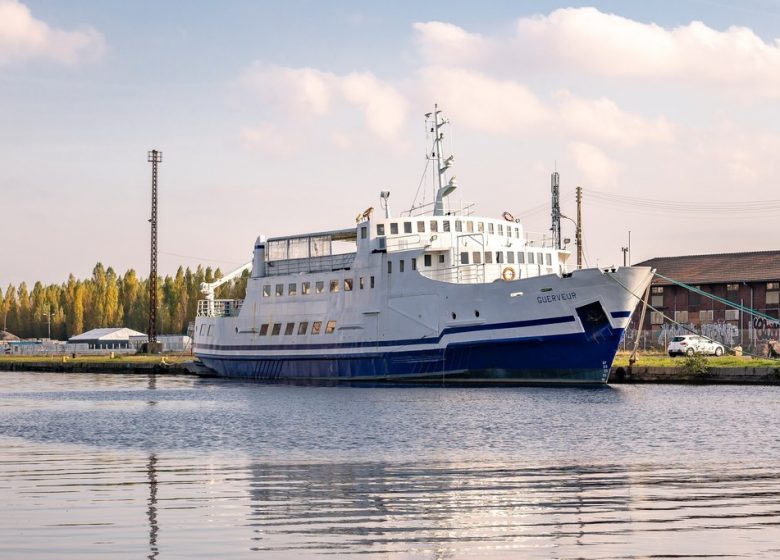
[(446, 509), (151, 510)]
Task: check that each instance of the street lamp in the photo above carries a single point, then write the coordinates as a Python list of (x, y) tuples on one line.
[(48, 314)]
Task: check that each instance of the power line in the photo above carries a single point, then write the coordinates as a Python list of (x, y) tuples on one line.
[(697, 207)]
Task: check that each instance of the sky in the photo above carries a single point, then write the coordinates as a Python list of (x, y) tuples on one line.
[(280, 118)]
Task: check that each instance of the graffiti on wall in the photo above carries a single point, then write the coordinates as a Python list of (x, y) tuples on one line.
[(765, 330)]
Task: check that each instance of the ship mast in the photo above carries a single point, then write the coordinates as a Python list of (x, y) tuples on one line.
[(445, 187)]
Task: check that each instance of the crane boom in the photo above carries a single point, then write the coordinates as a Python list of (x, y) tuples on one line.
[(209, 288)]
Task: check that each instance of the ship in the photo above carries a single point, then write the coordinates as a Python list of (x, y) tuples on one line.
[(436, 295)]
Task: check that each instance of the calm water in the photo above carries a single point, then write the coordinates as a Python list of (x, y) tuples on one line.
[(109, 466)]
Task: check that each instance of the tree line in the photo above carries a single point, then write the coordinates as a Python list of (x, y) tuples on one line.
[(108, 299)]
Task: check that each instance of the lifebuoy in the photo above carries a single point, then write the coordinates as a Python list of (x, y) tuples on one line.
[(508, 274), (508, 217)]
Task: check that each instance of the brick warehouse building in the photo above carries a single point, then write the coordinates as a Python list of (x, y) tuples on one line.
[(748, 279)]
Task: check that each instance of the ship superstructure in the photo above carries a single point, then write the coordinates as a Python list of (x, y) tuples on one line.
[(443, 296)]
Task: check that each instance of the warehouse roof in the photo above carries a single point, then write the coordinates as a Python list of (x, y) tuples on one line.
[(756, 266), (115, 333)]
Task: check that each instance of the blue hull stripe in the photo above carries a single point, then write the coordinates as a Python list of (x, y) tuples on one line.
[(571, 358), (619, 314), (381, 343)]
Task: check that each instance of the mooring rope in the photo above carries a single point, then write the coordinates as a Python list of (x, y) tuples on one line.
[(685, 327)]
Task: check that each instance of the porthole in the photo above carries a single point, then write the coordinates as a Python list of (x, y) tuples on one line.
[(476, 313), (454, 316)]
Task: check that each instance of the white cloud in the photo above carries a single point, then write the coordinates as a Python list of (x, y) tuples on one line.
[(23, 37), (481, 102), (604, 120), (597, 170), (267, 138), (445, 43), (587, 41), (306, 92)]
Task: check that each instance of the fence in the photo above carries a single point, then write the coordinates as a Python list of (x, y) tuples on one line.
[(752, 340)]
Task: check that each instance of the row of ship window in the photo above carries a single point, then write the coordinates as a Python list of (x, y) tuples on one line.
[(500, 256), (319, 286), (275, 329), (434, 226)]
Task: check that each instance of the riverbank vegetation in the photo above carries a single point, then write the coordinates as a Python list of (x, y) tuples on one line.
[(663, 360), (108, 299)]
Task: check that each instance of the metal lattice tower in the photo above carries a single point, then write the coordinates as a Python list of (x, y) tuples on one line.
[(556, 210), (154, 157), (579, 227)]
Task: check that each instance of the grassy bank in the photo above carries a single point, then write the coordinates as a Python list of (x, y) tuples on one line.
[(663, 360), (118, 359)]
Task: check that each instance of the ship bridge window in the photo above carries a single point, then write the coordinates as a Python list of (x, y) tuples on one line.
[(434, 226), (540, 258), (401, 265), (407, 227), (510, 257), (441, 259), (280, 289), (289, 328), (319, 287), (303, 327), (276, 329), (517, 233), (464, 257), (548, 259), (480, 227), (389, 267), (445, 225), (305, 288), (263, 329), (490, 229), (488, 257), (458, 225), (292, 289), (499, 257), (315, 327), (530, 258), (371, 283), (500, 229), (331, 326), (380, 229), (334, 285), (348, 284), (363, 232), (267, 290), (361, 282), (394, 228), (476, 257), (414, 264), (420, 227), (470, 227), (427, 260), (520, 258)]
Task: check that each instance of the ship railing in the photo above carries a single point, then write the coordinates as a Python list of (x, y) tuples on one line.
[(326, 263), (462, 274), (455, 208), (404, 242), (537, 239), (219, 307)]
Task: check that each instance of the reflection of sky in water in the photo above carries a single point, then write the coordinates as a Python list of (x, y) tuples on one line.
[(183, 468)]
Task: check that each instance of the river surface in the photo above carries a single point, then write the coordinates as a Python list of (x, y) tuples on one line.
[(124, 466)]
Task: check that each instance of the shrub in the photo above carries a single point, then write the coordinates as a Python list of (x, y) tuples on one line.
[(695, 365)]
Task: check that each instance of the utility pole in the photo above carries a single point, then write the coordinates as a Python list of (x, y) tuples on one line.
[(48, 318), (579, 227), (154, 157)]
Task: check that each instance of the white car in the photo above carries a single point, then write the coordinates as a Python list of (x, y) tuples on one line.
[(691, 344)]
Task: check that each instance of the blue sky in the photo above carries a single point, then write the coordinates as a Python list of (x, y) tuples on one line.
[(281, 117)]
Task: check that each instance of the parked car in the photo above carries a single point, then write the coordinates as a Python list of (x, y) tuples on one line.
[(691, 344)]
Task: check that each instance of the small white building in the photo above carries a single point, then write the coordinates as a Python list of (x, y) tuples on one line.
[(116, 338), (170, 342)]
